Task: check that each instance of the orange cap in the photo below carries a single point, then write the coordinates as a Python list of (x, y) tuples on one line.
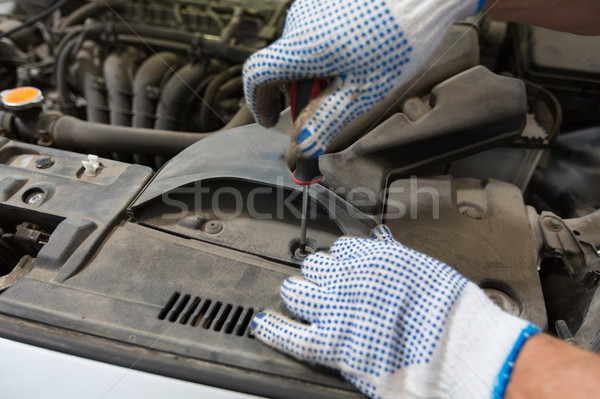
[(21, 96)]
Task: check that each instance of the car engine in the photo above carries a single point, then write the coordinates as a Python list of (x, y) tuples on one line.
[(145, 217)]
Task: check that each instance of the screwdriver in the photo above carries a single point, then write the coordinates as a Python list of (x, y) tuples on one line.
[(307, 169)]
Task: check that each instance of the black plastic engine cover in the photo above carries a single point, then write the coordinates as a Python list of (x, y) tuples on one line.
[(108, 287), (479, 227)]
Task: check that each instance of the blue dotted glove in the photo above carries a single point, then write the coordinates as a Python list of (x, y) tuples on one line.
[(396, 323), (371, 47)]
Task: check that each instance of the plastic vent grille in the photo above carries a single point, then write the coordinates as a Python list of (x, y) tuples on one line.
[(208, 314)]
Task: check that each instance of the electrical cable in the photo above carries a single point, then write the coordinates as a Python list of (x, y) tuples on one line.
[(35, 18), (540, 93)]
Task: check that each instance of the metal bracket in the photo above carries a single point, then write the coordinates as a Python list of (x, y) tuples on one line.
[(22, 268), (576, 242)]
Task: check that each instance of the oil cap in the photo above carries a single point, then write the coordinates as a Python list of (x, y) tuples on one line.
[(22, 98)]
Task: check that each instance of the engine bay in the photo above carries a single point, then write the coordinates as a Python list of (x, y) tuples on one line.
[(146, 218)]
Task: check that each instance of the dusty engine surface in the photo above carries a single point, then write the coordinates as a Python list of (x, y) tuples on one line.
[(186, 224), (185, 277)]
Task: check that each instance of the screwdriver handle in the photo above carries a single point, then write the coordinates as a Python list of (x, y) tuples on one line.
[(307, 169), (302, 92)]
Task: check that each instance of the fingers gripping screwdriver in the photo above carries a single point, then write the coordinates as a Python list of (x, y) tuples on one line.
[(307, 169)]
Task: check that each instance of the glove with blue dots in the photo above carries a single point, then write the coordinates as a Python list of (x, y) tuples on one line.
[(370, 47), (396, 323)]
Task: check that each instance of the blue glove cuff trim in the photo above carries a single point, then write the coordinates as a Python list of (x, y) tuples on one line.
[(507, 368), (480, 6)]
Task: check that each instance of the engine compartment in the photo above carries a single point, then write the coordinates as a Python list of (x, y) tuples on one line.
[(159, 258)]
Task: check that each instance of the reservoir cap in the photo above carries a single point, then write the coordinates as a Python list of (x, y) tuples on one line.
[(21, 98)]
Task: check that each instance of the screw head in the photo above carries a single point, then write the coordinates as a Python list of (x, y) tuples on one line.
[(301, 255), (44, 162), (553, 224), (34, 198), (503, 300), (213, 227)]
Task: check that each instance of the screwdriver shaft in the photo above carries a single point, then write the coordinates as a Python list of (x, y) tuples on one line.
[(304, 219)]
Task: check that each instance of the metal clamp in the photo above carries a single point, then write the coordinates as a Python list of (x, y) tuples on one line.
[(576, 242)]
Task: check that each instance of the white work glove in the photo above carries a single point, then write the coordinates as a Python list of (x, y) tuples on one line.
[(371, 47), (396, 323)]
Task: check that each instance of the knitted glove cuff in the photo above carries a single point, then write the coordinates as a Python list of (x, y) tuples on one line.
[(482, 343), (480, 6)]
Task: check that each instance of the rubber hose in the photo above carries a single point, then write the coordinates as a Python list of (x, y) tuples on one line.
[(238, 53), (63, 54), (62, 65), (70, 132), (67, 38), (86, 11), (6, 123)]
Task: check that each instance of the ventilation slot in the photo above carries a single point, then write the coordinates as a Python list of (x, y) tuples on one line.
[(175, 315), (211, 316), (208, 314), (188, 314), (234, 319), (223, 317), (163, 313), (201, 313)]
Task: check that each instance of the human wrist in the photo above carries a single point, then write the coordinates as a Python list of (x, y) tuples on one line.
[(539, 351), (550, 368), (482, 342), (480, 5)]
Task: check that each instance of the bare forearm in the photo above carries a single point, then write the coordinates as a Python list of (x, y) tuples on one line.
[(549, 368), (575, 16)]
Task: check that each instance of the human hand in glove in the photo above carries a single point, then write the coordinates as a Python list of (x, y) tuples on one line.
[(396, 323), (370, 48)]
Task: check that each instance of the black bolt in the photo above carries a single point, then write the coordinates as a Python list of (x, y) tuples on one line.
[(44, 162)]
